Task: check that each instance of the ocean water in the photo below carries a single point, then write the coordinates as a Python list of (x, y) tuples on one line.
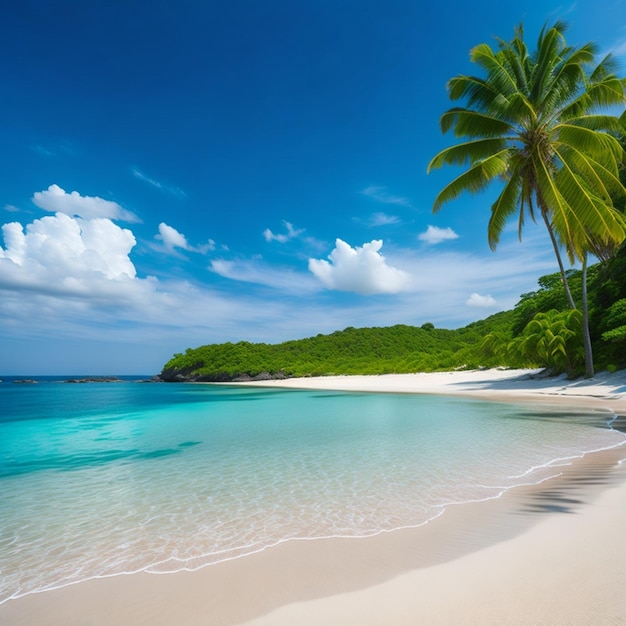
[(100, 479)]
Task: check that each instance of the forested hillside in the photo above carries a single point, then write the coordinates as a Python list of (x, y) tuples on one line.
[(350, 351), (539, 332)]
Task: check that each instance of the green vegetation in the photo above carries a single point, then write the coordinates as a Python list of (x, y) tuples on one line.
[(552, 338), (539, 124), (350, 351), (541, 331)]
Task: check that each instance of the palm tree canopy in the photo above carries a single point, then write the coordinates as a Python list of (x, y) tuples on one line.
[(541, 124)]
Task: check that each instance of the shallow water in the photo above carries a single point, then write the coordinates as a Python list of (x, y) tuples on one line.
[(99, 479)]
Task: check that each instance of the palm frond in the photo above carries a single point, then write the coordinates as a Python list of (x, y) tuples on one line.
[(548, 49), (608, 65), (516, 56), (606, 93), (468, 123), (477, 178), (582, 56), (498, 73), (502, 209), (564, 85), (598, 122), (526, 201), (592, 215), (542, 123), (581, 220), (590, 141), (553, 203), (597, 96), (477, 92), (604, 180), (469, 152)]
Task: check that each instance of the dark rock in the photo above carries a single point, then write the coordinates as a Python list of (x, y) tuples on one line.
[(182, 376), (95, 379)]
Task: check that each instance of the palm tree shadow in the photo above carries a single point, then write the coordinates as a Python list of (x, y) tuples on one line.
[(571, 492)]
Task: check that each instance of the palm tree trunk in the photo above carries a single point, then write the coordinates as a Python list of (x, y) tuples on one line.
[(589, 371), (555, 245)]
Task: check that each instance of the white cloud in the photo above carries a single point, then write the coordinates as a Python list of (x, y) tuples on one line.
[(291, 233), (481, 301), (255, 271), (146, 179), (62, 268), (381, 195), (65, 254), (11, 208), (173, 239), (361, 270), (62, 306), (175, 191), (382, 219), (56, 200), (435, 235)]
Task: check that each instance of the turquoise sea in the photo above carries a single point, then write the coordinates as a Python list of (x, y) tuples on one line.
[(100, 479)]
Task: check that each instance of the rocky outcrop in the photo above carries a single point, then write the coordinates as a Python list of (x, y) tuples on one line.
[(246, 378), (182, 376)]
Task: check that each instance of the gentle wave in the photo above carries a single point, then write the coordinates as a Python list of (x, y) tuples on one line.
[(246, 477)]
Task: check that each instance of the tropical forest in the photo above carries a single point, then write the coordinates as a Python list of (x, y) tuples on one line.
[(546, 129)]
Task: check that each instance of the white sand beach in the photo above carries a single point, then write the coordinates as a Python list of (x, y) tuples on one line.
[(552, 553), (604, 390)]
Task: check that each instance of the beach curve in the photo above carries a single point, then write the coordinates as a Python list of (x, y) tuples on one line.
[(341, 598)]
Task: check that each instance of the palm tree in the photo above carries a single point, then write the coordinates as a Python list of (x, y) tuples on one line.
[(551, 339), (540, 123)]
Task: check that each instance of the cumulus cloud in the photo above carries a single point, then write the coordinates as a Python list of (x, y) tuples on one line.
[(56, 200), (64, 253), (381, 195), (434, 235), (362, 270), (73, 279), (480, 301), (173, 239), (291, 233), (138, 323)]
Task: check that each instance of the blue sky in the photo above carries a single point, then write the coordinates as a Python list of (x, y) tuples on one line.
[(190, 172)]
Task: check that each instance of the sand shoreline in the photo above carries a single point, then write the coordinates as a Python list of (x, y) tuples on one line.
[(549, 553), (605, 390)]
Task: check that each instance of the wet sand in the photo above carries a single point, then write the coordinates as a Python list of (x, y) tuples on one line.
[(551, 553)]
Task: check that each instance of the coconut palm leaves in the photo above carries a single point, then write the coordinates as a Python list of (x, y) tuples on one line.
[(540, 125), (552, 339)]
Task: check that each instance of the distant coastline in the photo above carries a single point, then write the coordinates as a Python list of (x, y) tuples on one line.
[(35, 379)]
